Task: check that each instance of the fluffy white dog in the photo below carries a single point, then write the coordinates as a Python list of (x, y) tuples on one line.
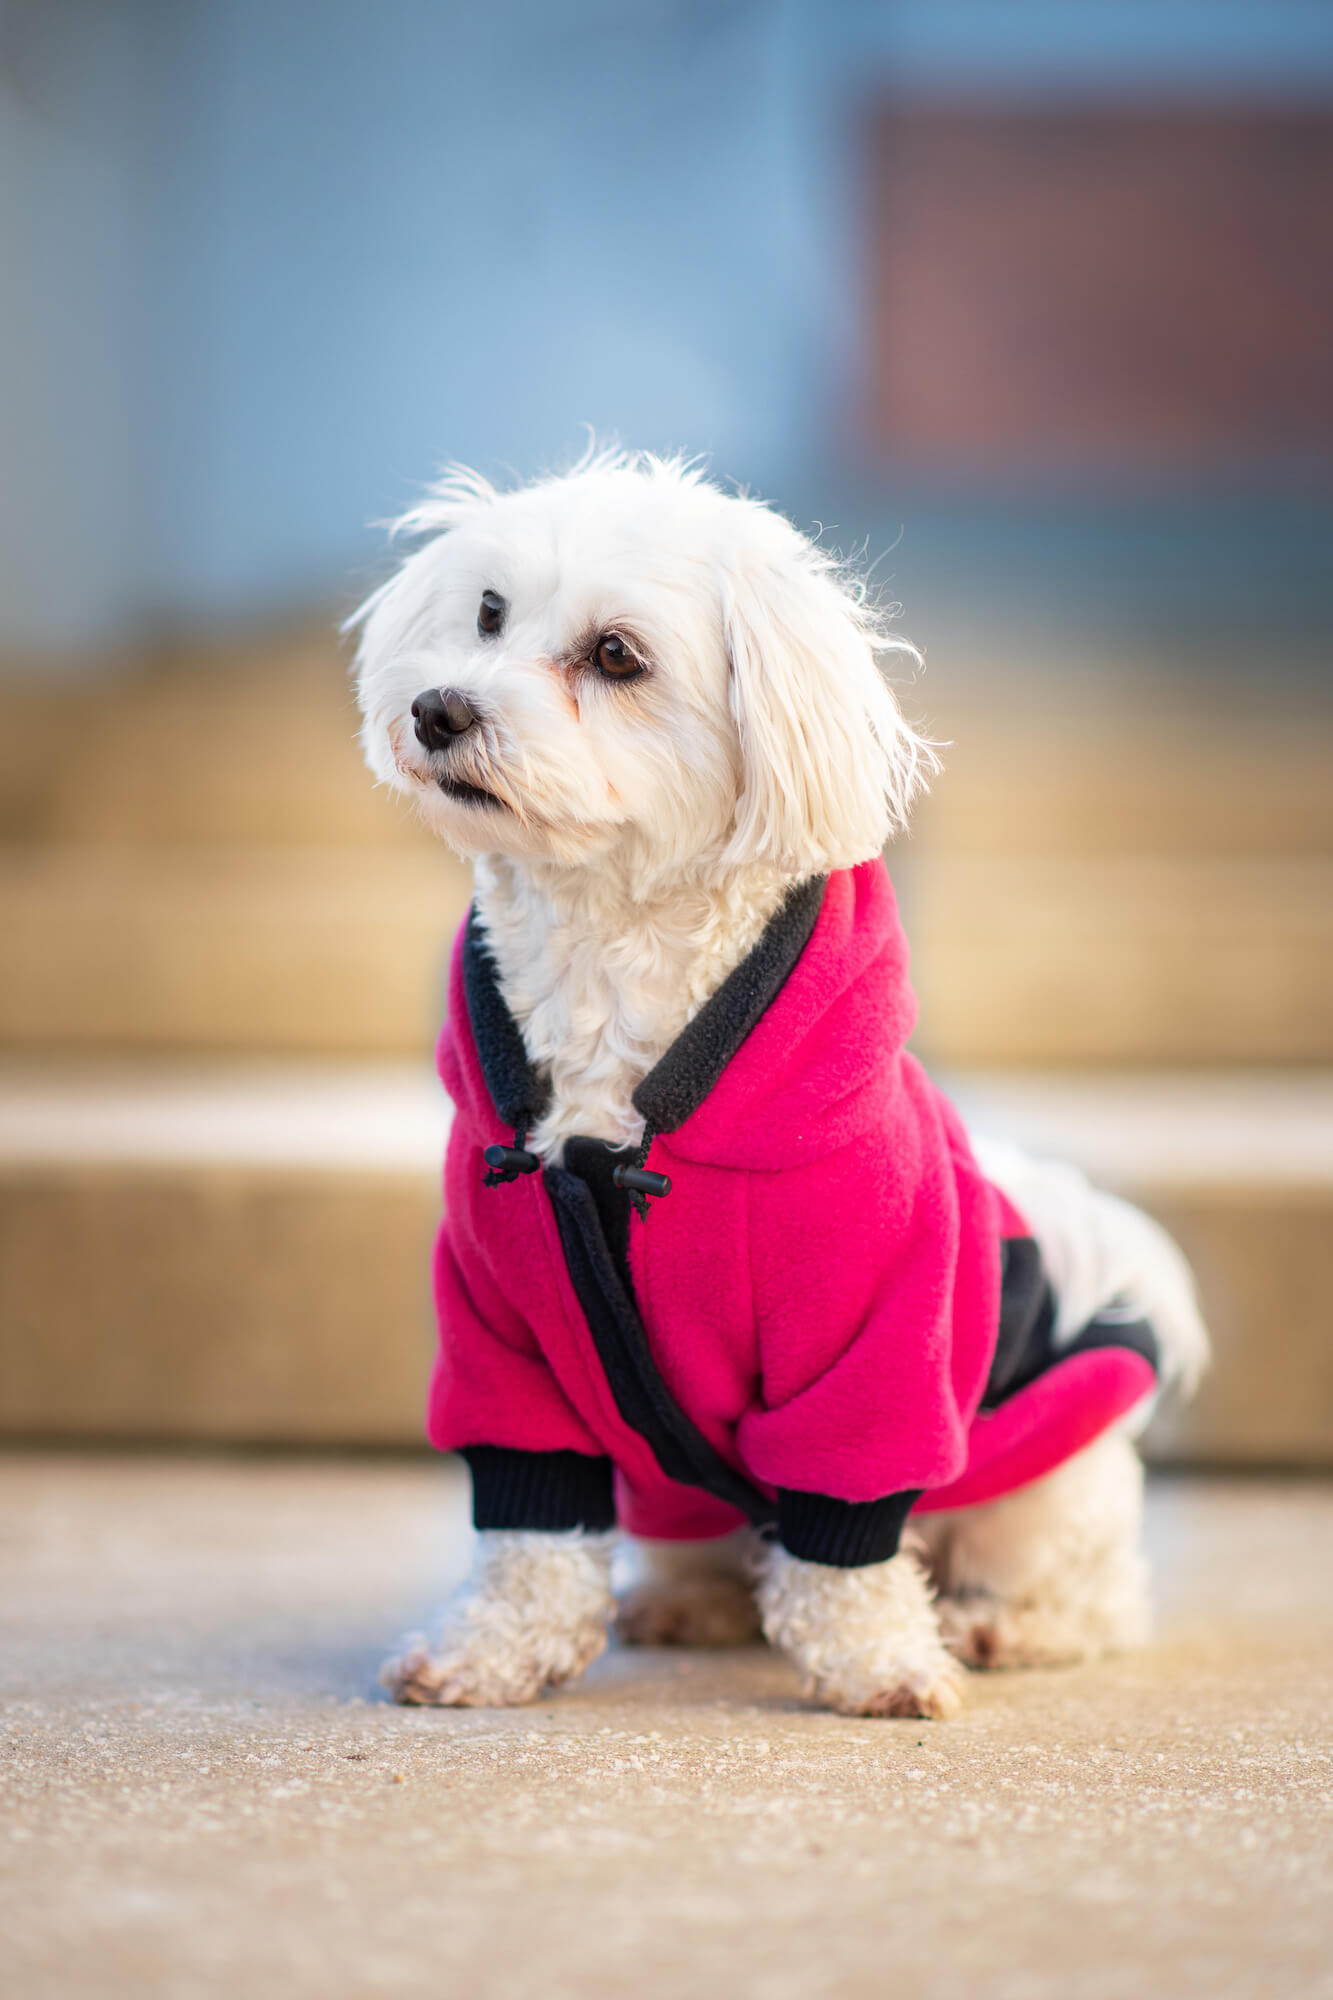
[(649, 711)]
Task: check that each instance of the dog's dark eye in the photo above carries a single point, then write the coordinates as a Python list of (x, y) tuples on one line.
[(613, 658), (491, 617)]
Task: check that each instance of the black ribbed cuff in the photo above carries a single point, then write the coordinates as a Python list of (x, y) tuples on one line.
[(845, 1534), (548, 1490)]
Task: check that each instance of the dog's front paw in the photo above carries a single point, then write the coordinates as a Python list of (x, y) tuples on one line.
[(866, 1640), (928, 1691), (533, 1614), (461, 1676), (450, 1679)]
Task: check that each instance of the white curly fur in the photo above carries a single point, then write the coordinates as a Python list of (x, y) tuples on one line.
[(601, 979), (632, 841), (533, 1613), (1050, 1574), (866, 1641)]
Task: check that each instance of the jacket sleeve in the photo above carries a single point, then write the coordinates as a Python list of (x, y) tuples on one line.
[(875, 1275), (842, 1534), (493, 1394)]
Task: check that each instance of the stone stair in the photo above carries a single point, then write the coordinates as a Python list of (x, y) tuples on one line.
[(224, 948), (240, 1250), (222, 971), (1115, 870), (219, 872)]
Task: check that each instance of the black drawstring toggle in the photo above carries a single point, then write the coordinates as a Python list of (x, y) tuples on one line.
[(642, 1181), (506, 1163), (638, 1181)]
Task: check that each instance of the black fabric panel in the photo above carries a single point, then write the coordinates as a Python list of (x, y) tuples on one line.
[(1116, 1328), (679, 1083), (594, 1162), (1027, 1321), (516, 1092), (1027, 1346), (552, 1491), (635, 1381), (845, 1534)]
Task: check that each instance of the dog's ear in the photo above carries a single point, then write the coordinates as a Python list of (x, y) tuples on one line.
[(828, 765)]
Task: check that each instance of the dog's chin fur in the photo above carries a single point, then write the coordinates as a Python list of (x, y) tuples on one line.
[(632, 841)]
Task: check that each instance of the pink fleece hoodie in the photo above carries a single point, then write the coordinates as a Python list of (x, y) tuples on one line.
[(806, 1330)]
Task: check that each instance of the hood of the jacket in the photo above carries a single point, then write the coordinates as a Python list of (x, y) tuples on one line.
[(797, 1053)]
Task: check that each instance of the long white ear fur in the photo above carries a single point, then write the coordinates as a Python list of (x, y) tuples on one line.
[(829, 766)]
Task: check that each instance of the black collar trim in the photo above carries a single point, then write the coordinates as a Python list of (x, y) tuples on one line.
[(677, 1085), (516, 1091)]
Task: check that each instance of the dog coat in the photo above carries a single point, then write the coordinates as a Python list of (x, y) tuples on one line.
[(823, 1318)]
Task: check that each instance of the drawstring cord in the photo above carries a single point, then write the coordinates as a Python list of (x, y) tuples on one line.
[(506, 1163)]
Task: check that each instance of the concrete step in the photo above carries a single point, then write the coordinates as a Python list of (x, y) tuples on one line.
[(252, 741), (234, 1254), (1114, 868), (1069, 959), (1096, 877), (1239, 1167), (241, 1252), (283, 948), (1122, 767), (1032, 960)]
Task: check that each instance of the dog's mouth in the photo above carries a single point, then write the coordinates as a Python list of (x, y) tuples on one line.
[(468, 795), (422, 771)]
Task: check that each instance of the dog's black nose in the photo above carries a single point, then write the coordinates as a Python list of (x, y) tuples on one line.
[(440, 714)]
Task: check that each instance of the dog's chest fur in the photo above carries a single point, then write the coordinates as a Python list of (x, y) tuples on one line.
[(601, 981)]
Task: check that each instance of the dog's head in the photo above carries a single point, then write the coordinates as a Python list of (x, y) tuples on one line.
[(628, 655)]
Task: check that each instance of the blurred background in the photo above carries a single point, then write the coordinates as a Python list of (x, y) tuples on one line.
[(1030, 303)]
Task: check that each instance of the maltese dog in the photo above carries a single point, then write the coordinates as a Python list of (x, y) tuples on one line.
[(720, 1268)]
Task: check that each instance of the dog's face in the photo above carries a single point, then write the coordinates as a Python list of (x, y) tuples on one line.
[(627, 655)]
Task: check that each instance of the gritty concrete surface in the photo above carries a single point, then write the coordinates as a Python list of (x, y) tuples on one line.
[(205, 1795)]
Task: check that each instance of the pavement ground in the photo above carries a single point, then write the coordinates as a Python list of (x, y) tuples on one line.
[(204, 1793)]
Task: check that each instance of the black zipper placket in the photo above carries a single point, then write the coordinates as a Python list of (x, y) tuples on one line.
[(604, 1288)]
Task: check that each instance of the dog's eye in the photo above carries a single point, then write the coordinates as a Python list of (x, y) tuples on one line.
[(613, 658), (491, 617)]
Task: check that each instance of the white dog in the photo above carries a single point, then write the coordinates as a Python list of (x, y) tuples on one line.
[(652, 715)]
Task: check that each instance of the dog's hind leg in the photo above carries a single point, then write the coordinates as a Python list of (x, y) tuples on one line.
[(697, 1593), (1050, 1574)]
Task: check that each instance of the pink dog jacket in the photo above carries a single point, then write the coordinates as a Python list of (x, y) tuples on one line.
[(829, 1319)]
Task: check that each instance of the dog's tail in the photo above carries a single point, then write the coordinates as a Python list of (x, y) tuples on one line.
[(1100, 1251)]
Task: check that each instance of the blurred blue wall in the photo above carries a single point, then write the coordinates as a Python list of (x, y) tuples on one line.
[(433, 231), (266, 263)]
